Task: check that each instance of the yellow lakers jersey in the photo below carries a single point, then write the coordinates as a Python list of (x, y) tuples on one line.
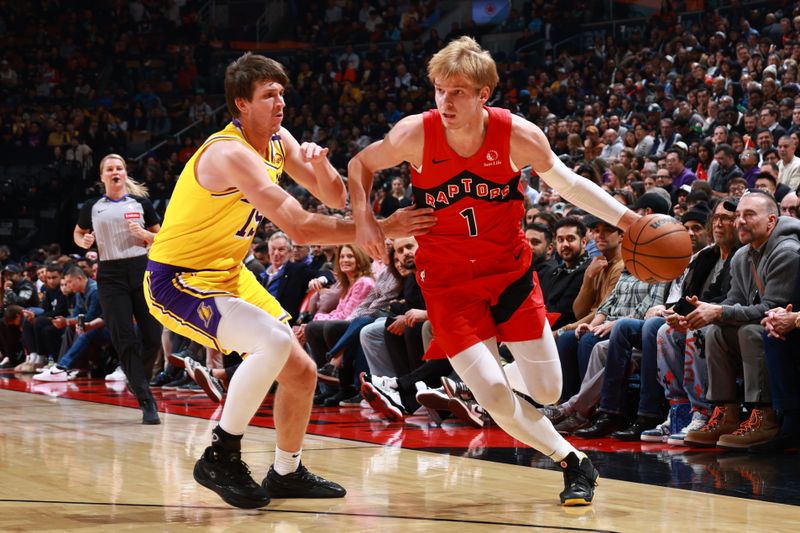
[(206, 230)]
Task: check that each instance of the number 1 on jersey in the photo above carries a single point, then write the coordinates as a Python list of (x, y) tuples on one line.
[(469, 215)]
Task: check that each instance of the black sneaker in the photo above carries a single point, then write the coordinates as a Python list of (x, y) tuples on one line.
[(228, 476), (353, 401), (580, 479), (300, 484), (182, 379), (161, 379), (149, 412)]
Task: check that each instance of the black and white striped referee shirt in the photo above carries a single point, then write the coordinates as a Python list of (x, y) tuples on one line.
[(109, 221)]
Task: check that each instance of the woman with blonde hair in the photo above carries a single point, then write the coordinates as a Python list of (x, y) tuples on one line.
[(123, 223)]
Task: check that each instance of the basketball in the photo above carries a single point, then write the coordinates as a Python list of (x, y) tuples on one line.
[(656, 248)]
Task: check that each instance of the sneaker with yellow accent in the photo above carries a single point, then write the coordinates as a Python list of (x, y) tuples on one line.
[(580, 479), (761, 427), (724, 420)]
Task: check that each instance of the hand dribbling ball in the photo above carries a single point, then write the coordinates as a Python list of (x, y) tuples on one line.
[(656, 248)]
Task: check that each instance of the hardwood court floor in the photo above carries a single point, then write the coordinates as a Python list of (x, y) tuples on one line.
[(77, 465)]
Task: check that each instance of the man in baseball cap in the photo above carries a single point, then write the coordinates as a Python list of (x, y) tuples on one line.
[(650, 203)]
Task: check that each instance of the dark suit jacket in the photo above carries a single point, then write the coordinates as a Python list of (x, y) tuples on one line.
[(293, 285)]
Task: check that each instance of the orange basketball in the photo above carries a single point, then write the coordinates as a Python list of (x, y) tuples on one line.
[(656, 248)]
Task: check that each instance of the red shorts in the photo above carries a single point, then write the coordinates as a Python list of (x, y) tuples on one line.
[(507, 306)]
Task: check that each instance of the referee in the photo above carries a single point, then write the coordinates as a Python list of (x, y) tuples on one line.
[(123, 223)]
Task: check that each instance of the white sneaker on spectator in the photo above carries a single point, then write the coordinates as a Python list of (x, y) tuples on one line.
[(49, 363), (433, 400), (212, 386), (658, 433), (117, 375), (56, 373), (698, 421), (190, 365), (382, 396)]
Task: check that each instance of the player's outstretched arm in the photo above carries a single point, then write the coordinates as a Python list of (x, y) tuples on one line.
[(308, 165), (403, 143), (228, 164), (529, 146)]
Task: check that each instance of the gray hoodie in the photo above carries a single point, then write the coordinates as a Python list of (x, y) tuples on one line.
[(778, 269)]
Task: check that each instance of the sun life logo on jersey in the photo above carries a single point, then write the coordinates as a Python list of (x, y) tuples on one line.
[(492, 159)]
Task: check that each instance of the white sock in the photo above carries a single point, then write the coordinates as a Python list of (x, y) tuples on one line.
[(482, 373), (286, 462)]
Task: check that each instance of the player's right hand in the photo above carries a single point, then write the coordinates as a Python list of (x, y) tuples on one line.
[(370, 237)]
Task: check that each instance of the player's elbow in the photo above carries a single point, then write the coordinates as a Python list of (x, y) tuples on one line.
[(338, 200), (356, 167)]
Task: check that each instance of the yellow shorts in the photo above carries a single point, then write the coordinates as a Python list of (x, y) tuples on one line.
[(184, 301)]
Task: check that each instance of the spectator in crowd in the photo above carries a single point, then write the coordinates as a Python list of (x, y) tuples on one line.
[(88, 324), (725, 170), (11, 334), (789, 205), (287, 280), (681, 357), (612, 146), (541, 241), (396, 198), (789, 165), (599, 280), (761, 270), (781, 338), (17, 289), (561, 285), (748, 161), (675, 166), (353, 271), (40, 337)]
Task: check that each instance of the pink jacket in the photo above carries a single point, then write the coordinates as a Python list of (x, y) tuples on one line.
[(347, 303)]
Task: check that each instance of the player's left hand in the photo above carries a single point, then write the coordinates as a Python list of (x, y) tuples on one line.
[(313, 153), (408, 221)]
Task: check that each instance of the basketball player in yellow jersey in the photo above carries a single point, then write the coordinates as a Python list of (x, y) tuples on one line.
[(196, 284)]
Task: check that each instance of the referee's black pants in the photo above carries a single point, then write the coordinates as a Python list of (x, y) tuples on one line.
[(120, 284)]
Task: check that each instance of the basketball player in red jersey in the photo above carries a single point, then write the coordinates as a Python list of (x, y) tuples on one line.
[(474, 266)]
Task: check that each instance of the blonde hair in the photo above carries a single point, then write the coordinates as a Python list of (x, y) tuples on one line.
[(464, 57), (133, 187)]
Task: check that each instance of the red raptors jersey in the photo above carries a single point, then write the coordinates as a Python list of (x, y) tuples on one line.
[(477, 200)]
